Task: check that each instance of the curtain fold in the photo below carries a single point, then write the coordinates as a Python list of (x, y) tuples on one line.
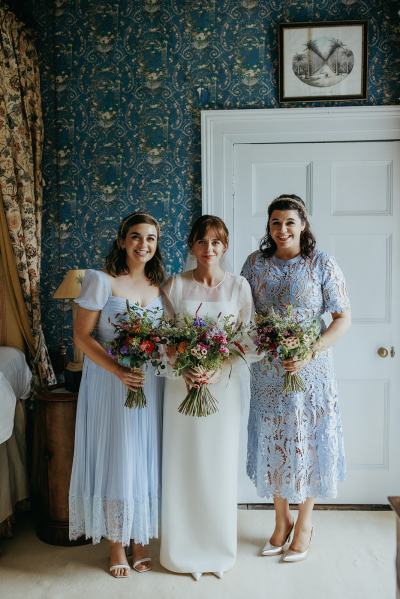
[(21, 146)]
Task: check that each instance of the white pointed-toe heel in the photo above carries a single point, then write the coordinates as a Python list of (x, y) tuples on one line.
[(270, 549), (218, 574), (196, 575), (297, 556)]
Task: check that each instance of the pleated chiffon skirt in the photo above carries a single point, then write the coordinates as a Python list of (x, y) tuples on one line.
[(116, 473)]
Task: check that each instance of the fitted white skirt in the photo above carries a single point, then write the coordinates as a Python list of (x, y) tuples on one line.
[(199, 479)]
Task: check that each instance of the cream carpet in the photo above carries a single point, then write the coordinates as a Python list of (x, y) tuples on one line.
[(352, 557)]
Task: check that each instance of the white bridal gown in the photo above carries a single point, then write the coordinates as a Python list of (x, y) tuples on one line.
[(200, 455)]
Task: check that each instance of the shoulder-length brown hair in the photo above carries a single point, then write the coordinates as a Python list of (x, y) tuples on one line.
[(206, 223), (116, 259), (307, 239)]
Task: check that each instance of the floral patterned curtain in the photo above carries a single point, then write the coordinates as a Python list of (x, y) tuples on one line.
[(21, 143)]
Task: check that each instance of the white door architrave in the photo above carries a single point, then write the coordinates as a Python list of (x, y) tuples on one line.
[(227, 153)]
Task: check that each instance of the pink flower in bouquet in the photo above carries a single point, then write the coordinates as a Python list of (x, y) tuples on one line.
[(134, 345), (147, 346), (224, 350), (220, 339), (291, 342), (201, 345)]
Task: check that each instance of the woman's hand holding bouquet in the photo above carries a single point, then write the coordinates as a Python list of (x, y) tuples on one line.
[(136, 343), (283, 337), (196, 349)]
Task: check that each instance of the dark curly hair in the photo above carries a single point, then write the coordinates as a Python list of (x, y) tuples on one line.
[(116, 259), (307, 239)]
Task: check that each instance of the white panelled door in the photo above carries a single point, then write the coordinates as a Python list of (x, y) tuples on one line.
[(352, 191)]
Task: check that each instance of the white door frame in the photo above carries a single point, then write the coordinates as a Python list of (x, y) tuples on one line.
[(222, 129)]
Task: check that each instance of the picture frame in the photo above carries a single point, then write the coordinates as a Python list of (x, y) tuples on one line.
[(323, 61)]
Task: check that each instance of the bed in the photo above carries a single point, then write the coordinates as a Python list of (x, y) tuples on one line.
[(15, 385)]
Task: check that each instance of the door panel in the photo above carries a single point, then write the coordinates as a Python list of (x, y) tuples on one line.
[(352, 194)]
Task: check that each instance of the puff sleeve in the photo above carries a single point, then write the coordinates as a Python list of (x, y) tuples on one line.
[(95, 290)]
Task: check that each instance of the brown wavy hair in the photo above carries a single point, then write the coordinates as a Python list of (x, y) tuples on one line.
[(116, 259), (307, 239), (203, 224)]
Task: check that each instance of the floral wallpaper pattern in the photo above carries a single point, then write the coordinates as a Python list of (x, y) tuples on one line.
[(123, 83)]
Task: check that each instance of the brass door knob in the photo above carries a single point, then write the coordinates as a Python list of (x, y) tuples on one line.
[(383, 352)]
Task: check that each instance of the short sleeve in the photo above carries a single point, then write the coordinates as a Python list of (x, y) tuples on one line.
[(95, 290), (247, 270), (334, 291)]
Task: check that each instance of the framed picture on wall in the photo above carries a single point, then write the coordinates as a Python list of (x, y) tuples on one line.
[(322, 61)]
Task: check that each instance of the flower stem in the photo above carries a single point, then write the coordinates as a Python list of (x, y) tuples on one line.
[(198, 402), (135, 398), (293, 383)]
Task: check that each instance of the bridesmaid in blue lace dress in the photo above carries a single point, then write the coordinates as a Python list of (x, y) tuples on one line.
[(115, 482), (295, 444)]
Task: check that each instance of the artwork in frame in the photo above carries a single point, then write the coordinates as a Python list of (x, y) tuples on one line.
[(323, 61)]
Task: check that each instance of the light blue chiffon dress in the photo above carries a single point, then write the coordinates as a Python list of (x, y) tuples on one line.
[(295, 441), (116, 473)]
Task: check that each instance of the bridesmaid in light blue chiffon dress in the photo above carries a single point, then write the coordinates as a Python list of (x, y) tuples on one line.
[(116, 474), (295, 441)]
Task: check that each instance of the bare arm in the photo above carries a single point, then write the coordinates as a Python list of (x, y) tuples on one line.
[(85, 324), (341, 322)]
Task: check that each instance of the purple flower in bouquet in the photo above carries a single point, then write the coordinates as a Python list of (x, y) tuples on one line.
[(201, 345), (135, 344), (282, 336)]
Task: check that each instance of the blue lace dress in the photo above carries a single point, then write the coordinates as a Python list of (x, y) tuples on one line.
[(295, 441), (116, 473)]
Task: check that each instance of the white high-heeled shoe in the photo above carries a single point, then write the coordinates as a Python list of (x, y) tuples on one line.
[(218, 574), (297, 556), (197, 575), (270, 549)]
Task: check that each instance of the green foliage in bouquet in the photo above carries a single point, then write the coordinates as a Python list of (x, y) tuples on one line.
[(201, 344), (136, 343), (283, 336)]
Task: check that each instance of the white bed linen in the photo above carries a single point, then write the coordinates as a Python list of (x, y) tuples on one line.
[(15, 378), (15, 383), (7, 409), (14, 367)]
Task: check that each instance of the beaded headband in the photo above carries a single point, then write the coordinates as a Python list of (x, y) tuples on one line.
[(287, 199)]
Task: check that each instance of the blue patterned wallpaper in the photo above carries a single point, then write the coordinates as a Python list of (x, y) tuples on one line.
[(123, 82)]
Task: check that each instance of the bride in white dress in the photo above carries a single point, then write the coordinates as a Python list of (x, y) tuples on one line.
[(200, 455)]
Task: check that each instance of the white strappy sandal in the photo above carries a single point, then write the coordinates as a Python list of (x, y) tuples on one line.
[(143, 560), (120, 567)]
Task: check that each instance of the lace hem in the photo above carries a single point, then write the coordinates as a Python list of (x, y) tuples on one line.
[(297, 455), (287, 492), (116, 520)]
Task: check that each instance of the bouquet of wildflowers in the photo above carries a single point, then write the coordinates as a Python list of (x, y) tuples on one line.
[(136, 342), (201, 344), (282, 336)]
